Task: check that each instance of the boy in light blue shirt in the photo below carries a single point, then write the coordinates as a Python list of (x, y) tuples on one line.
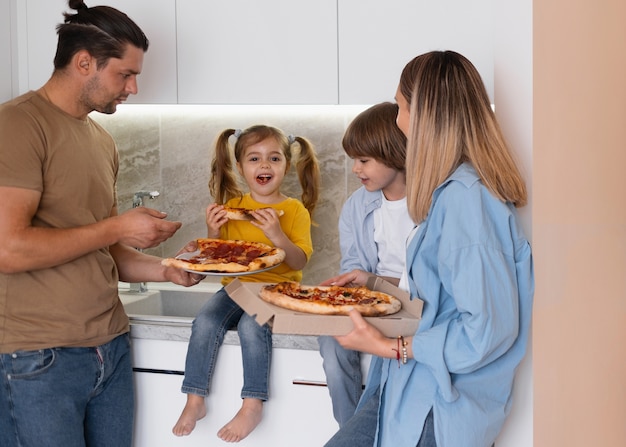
[(373, 228)]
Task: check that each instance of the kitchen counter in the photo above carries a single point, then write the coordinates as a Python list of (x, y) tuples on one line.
[(164, 325), (159, 330)]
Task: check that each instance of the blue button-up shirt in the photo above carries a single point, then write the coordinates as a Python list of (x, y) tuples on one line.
[(356, 231), (471, 264)]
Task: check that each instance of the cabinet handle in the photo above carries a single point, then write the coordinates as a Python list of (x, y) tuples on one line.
[(159, 371), (308, 382)]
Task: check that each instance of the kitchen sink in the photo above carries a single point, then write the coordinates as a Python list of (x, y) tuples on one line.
[(175, 305)]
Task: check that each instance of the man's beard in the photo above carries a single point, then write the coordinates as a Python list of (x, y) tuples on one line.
[(93, 88)]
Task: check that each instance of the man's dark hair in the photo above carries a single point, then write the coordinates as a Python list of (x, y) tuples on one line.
[(101, 30)]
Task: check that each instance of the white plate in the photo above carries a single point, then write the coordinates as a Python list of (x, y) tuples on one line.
[(188, 255)]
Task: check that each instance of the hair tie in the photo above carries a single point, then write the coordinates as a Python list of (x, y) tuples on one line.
[(291, 139), (237, 133)]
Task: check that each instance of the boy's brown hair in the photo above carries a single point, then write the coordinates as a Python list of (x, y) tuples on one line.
[(374, 133)]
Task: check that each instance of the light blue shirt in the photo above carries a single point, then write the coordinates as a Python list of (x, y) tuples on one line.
[(356, 231), (472, 265)]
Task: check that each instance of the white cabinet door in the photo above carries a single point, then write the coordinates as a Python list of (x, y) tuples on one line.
[(157, 83), (159, 400), (158, 80), (298, 413), (6, 76), (252, 52), (377, 39)]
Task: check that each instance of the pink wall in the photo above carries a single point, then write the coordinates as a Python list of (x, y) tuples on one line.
[(579, 222)]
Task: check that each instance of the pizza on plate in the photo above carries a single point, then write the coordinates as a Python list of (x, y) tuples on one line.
[(228, 256), (245, 213), (330, 300)]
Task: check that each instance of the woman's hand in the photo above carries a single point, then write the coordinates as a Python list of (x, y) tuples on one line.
[(366, 338)]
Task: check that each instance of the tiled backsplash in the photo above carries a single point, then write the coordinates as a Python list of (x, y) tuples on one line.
[(169, 149)]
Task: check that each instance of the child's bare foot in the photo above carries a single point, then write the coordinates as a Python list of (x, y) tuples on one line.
[(194, 411), (246, 420)]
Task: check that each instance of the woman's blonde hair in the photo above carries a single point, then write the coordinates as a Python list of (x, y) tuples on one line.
[(452, 122), (223, 184)]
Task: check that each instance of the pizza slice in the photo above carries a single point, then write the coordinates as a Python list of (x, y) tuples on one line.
[(245, 213)]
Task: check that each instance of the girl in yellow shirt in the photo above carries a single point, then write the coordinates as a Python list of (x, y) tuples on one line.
[(263, 158)]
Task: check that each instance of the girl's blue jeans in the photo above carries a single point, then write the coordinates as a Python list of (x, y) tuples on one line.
[(219, 314), (61, 397)]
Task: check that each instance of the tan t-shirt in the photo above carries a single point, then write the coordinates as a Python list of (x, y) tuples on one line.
[(74, 164)]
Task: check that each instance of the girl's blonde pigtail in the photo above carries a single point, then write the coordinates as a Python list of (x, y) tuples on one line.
[(223, 183), (308, 170)]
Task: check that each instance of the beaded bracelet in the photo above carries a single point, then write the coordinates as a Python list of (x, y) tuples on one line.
[(405, 355)]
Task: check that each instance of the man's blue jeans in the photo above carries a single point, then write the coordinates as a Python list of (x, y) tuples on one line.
[(219, 314), (62, 397)]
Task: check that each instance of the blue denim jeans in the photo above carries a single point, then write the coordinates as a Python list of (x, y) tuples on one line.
[(62, 397), (360, 430), (219, 314), (343, 376)]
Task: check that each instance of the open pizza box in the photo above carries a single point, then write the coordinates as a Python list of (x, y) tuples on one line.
[(285, 321)]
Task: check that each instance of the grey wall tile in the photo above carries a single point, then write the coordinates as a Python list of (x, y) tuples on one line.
[(169, 149)]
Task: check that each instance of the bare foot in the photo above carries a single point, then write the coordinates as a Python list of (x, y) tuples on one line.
[(246, 420), (194, 411)]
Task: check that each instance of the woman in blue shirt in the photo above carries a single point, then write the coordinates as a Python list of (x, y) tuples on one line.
[(450, 384)]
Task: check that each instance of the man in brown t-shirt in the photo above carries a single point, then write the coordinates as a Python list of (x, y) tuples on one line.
[(65, 371)]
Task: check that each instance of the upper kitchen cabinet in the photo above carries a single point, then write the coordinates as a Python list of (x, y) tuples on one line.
[(377, 39), (257, 52), (157, 82), (6, 75)]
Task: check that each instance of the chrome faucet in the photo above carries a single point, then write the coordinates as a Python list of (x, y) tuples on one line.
[(138, 197)]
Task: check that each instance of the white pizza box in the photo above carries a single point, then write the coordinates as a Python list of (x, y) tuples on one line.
[(285, 321)]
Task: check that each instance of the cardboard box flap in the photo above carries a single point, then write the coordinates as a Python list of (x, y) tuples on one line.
[(414, 306), (250, 302)]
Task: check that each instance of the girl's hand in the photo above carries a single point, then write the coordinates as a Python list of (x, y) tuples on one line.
[(215, 218), (268, 221), (366, 338), (354, 278)]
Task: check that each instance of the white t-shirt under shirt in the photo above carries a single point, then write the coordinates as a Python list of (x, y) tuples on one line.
[(404, 279), (392, 226)]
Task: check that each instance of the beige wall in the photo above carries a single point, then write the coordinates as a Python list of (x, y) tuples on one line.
[(579, 223)]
